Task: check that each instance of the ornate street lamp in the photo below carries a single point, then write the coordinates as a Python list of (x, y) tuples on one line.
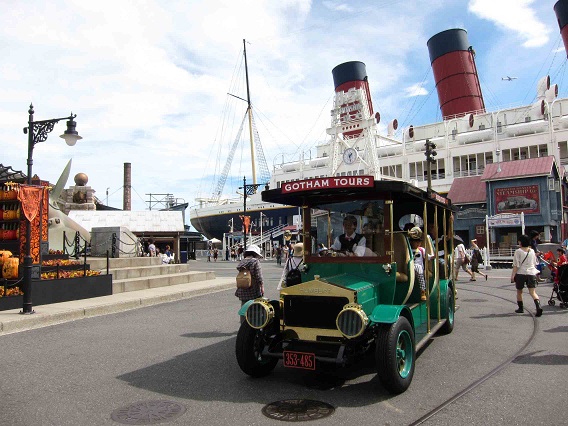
[(37, 132)]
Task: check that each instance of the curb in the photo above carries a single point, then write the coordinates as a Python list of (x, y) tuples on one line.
[(12, 321)]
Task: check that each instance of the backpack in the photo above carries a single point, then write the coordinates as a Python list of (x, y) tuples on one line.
[(243, 278), (294, 276)]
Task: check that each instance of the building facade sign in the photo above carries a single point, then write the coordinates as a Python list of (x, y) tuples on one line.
[(517, 199)]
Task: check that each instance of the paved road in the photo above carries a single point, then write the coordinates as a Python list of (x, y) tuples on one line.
[(79, 372)]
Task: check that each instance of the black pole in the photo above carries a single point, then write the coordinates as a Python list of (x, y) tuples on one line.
[(37, 132), (27, 268)]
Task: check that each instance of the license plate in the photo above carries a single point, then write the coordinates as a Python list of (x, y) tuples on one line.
[(304, 360)]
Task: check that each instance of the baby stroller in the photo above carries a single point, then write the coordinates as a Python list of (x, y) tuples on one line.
[(561, 289), (548, 259)]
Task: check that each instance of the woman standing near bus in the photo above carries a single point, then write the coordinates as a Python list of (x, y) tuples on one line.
[(525, 273)]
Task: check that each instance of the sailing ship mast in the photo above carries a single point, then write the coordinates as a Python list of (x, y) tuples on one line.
[(256, 151), (249, 112)]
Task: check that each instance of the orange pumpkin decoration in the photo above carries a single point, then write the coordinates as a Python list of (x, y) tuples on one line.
[(10, 214), (4, 254), (10, 268), (10, 195)]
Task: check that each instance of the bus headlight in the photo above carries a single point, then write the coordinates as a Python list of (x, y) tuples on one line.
[(352, 321), (260, 313)]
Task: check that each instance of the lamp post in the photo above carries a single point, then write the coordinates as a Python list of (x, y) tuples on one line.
[(498, 155), (262, 215), (37, 132), (248, 190)]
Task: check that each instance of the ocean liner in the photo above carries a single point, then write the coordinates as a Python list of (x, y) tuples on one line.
[(467, 140)]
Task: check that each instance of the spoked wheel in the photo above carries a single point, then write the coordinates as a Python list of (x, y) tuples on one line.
[(448, 326), (395, 355), (551, 302), (250, 343)]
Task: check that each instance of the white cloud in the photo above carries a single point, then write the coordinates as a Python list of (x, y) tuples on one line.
[(415, 90), (337, 6), (514, 15)]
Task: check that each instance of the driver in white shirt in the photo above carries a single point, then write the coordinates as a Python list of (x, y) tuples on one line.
[(352, 243)]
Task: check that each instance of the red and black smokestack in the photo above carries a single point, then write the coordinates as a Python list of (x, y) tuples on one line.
[(457, 82), (561, 10), (347, 76)]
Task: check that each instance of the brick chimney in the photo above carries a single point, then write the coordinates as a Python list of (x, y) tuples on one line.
[(127, 199)]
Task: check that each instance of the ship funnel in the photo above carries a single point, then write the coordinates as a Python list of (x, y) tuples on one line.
[(561, 10), (348, 78), (455, 73)]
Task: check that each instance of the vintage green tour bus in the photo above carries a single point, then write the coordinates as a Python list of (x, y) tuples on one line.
[(360, 295)]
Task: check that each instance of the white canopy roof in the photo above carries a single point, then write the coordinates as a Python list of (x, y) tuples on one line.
[(136, 221)]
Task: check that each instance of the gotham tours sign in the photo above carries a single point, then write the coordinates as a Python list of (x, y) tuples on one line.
[(329, 182)]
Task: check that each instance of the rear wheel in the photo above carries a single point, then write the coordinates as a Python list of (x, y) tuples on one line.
[(250, 343), (448, 326), (395, 355)]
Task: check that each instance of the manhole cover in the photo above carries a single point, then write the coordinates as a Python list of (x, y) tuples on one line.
[(475, 300), (148, 412), (297, 410)]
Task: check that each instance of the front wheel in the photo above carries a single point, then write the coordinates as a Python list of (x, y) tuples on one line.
[(448, 326), (250, 343), (395, 355)]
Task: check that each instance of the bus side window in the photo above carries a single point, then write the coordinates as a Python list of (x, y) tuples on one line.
[(374, 235)]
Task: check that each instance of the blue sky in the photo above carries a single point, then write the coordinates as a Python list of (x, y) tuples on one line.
[(148, 79)]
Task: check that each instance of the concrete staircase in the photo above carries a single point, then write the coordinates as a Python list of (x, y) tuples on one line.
[(141, 273)]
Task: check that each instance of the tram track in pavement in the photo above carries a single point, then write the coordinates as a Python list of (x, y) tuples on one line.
[(487, 376)]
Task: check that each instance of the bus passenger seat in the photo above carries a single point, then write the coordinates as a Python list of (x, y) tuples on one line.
[(401, 257)]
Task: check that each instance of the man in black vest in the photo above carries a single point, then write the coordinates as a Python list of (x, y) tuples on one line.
[(350, 242)]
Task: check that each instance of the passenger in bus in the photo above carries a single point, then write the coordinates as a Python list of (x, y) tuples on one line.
[(415, 237), (350, 242)]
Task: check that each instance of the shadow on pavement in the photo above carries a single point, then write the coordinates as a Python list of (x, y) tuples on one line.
[(212, 374), (551, 359)]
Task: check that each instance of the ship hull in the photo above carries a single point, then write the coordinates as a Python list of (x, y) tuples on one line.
[(213, 223)]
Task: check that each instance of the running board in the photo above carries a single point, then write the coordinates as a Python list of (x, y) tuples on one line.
[(427, 337)]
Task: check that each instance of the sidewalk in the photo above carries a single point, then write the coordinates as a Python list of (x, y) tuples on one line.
[(12, 321)]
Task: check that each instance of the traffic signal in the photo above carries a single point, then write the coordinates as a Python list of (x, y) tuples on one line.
[(430, 151)]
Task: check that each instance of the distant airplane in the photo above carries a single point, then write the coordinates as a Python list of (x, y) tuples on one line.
[(508, 78)]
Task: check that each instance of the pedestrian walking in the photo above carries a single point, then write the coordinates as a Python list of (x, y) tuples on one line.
[(279, 255), (534, 242), (461, 261), (525, 273), (251, 263), (476, 259), (292, 264), (215, 254)]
